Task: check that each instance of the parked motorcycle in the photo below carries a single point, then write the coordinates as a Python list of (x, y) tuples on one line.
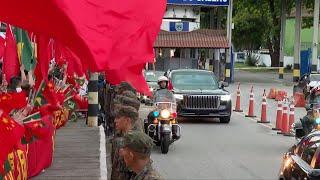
[(164, 129)]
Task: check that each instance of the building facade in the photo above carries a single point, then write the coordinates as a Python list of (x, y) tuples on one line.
[(182, 43)]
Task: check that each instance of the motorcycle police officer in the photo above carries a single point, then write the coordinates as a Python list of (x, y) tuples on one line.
[(163, 82), (163, 91)]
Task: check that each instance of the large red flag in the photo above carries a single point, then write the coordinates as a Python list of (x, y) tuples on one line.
[(98, 35), (10, 60)]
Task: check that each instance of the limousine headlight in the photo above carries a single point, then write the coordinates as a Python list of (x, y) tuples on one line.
[(225, 98), (178, 96)]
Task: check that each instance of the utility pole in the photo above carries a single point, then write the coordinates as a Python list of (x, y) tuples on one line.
[(297, 42), (229, 36), (282, 38), (314, 67)]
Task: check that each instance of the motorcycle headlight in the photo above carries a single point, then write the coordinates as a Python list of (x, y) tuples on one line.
[(165, 114), (287, 162), (151, 88), (156, 114), (178, 96), (225, 98)]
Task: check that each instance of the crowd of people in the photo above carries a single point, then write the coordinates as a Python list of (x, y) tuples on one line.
[(32, 110)]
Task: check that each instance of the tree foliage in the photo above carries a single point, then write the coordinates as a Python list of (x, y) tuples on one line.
[(258, 24)]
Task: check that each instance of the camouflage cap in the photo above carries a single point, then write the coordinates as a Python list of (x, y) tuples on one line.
[(124, 86), (126, 101), (138, 142), (129, 94), (129, 112)]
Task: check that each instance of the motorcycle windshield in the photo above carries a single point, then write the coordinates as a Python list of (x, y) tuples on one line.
[(164, 99), (164, 96)]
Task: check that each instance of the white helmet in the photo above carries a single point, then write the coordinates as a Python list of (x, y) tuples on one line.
[(163, 78)]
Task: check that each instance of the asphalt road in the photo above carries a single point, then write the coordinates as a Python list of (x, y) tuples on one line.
[(242, 149)]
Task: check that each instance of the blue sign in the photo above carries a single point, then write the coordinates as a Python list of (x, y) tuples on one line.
[(179, 26), (200, 2)]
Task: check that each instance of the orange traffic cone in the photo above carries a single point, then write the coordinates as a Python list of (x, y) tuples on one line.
[(285, 122), (281, 95), (264, 109), (251, 104), (291, 118), (272, 93), (299, 99), (279, 117), (238, 101)]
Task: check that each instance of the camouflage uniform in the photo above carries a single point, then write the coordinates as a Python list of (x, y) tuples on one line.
[(129, 94), (119, 169), (124, 86), (127, 101), (148, 173), (141, 143)]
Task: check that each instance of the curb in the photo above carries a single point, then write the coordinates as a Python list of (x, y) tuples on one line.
[(103, 155)]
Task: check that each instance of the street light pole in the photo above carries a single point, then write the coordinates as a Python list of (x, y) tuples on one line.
[(314, 67)]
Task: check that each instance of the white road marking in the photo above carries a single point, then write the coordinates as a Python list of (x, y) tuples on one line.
[(269, 126), (103, 155)]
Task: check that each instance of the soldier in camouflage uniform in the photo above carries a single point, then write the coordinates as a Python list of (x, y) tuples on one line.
[(122, 100), (125, 119), (136, 154), (109, 96), (127, 101)]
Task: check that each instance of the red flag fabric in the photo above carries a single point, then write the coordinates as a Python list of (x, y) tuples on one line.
[(17, 160), (2, 46), (132, 75), (40, 153), (10, 101), (52, 97), (10, 134), (10, 61), (110, 34), (20, 161), (45, 54), (74, 63), (81, 102)]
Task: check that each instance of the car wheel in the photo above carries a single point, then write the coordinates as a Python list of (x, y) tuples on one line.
[(225, 120)]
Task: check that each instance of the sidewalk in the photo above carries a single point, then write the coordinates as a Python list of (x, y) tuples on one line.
[(78, 154)]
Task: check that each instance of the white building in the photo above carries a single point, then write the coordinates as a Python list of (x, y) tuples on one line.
[(181, 42)]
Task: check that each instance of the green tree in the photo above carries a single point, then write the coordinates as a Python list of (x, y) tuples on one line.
[(260, 21), (250, 26)]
